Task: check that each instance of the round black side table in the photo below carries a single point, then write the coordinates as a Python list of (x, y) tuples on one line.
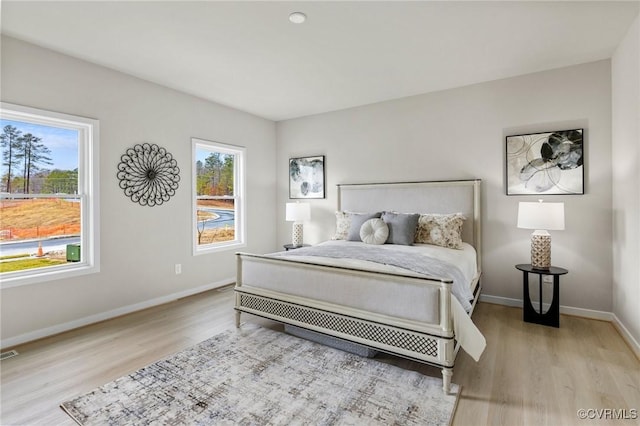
[(529, 314)]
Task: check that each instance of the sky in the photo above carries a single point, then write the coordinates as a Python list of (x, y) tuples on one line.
[(63, 143), (203, 153)]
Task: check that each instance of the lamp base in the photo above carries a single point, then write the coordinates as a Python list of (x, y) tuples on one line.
[(296, 235), (541, 250)]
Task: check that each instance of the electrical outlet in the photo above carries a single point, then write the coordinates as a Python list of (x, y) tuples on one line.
[(178, 268), (548, 279)]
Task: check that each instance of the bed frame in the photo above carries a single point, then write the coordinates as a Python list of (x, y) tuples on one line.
[(431, 343)]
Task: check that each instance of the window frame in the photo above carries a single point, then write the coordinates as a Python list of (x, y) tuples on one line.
[(239, 189), (88, 194)]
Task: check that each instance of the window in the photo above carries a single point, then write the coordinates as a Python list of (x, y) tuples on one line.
[(48, 195), (218, 196)]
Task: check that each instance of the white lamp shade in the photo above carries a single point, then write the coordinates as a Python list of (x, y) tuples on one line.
[(542, 216), (298, 212)]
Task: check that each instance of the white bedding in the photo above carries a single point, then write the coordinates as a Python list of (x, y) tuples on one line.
[(464, 259)]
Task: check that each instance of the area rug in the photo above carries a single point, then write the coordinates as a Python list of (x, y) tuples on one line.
[(257, 376)]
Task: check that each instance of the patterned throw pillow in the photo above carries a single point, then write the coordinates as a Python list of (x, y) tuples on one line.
[(374, 231), (343, 223), (441, 230)]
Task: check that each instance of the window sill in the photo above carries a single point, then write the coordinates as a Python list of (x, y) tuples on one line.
[(219, 248), (37, 276)]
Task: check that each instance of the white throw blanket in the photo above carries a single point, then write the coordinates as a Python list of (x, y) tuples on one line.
[(466, 332)]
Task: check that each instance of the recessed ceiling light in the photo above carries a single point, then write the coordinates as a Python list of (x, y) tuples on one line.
[(297, 17)]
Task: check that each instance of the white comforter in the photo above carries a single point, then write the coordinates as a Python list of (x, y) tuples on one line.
[(465, 259)]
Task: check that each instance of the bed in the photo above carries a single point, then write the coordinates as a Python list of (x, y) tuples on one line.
[(411, 300)]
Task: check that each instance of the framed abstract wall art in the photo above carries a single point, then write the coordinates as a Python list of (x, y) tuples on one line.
[(549, 163), (306, 177)]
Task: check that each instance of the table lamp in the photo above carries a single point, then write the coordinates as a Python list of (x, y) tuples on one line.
[(298, 213), (542, 217)]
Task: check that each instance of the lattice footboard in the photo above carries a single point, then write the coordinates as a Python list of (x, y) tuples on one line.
[(422, 347)]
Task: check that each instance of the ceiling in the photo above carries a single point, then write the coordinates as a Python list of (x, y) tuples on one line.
[(247, 55)]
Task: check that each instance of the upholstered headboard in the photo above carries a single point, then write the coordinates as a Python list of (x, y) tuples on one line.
[(455, 196)]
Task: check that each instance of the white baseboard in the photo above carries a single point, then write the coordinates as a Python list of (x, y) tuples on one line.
[(578, 312), (626, 335), (60, 328), (568, 310), (498, 300)]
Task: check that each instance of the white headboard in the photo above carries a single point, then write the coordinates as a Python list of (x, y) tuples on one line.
[(454, 196)]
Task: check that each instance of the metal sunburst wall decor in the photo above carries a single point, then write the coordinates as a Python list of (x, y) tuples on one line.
[(148, 174)]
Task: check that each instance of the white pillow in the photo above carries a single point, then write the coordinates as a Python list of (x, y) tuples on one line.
[(374, 231)]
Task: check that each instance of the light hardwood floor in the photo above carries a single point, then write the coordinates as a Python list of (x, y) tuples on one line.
[(528, 375)]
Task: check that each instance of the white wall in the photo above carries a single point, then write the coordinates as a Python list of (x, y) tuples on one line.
[(460, 133), (625, 69), (140, 245)]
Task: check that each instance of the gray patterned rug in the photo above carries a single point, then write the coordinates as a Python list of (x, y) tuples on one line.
[(256, 376)]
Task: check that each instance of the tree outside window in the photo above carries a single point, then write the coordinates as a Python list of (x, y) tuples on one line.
[(218, 195)]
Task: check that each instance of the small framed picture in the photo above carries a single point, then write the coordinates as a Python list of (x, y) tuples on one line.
[(549, 163), (306, 177)]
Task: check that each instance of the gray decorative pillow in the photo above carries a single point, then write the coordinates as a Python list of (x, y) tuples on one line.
[(374, 231), (402, 227), (357, 219), (443, 230)]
